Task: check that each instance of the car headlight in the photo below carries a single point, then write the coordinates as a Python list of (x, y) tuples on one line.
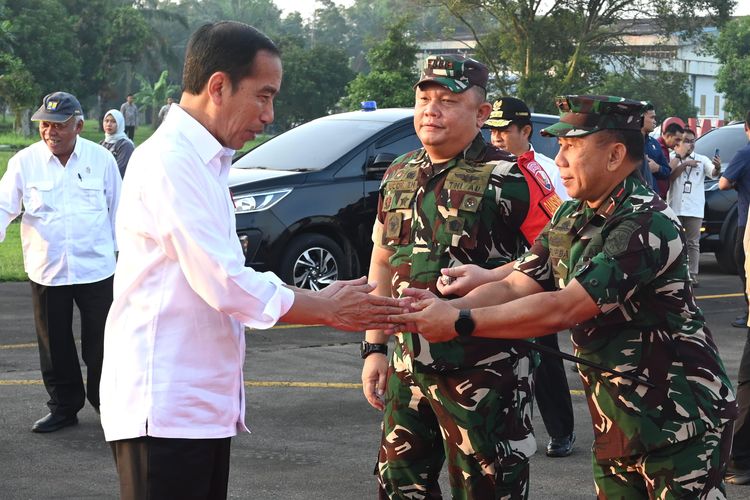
[(257, 202)]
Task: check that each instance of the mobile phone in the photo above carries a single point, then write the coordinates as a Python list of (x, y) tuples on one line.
[(716, 152)]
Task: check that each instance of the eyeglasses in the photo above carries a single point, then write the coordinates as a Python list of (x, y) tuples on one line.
[(688, 141)]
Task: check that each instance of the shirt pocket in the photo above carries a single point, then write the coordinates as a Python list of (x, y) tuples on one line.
[(459, 228), (38, 198), (92, 194)]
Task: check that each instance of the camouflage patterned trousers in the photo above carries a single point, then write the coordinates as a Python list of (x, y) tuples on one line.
[(690, 469), (469, 416)]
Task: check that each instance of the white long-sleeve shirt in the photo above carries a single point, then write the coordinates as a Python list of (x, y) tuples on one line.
[(67, 228), (174, 343)]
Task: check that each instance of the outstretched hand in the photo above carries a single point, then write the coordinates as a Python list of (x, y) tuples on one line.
[(356, 309), (429, 316)]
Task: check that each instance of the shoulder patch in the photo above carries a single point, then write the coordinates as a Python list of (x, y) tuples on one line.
[(618, 240)]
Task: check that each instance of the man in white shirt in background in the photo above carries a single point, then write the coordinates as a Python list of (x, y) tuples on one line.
[(172, 384), (69, 189), (686, 194), (511, 129)]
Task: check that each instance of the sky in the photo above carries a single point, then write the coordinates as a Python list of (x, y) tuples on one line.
[(307, 7)]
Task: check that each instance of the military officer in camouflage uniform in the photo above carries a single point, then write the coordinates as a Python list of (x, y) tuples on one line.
[(458, 200), (613, 268)]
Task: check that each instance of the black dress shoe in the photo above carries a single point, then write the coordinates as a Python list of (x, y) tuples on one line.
[(740, 321), (561, 446), (52, 423)]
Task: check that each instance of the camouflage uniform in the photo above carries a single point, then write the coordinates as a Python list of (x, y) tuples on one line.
[(468, 399), (629, 254)]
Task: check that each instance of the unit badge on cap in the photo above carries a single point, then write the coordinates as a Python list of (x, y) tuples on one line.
[(52, 105)]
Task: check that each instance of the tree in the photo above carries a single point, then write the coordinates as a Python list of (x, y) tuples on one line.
[(666, 90), (732, 48), (314, 81), (392, 73), (18, 89), (154, 96), (536, 49)]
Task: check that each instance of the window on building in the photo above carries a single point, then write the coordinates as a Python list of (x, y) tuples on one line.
[(716, 105), (703, 105)]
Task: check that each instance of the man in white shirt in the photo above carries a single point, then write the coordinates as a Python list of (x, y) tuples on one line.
[(69, 188), (511, 128), (686, 194), (172, 383)]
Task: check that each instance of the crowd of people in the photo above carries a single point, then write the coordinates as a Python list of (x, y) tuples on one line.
[(470, 241)]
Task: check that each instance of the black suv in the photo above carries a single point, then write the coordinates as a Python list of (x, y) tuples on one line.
[(306, 199), (719, 230)]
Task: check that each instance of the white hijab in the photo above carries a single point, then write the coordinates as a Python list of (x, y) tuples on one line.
[(120, 133)]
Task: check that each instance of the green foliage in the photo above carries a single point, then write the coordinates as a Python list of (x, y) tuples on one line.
[(732, 48), (392, 73), (667, 91), (17, 86), (154, 96), (314, 81)]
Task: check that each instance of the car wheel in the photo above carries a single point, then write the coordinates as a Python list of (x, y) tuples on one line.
[(312, 261), (725, 253)]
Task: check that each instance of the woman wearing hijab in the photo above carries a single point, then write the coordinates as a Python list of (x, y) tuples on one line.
[(115, 139)]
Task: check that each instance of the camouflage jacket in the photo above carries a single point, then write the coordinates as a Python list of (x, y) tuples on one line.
[(481, 208), (630, 257)]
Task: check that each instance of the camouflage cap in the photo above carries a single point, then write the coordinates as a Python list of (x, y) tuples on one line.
[(582, 115), (454, 72), (507, 110)]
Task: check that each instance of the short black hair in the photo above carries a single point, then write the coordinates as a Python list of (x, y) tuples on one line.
[(688, 130), (632, 139), (227, 46), (673, 128)]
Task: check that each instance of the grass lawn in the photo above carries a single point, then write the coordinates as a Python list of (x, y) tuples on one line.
[(11, 260)]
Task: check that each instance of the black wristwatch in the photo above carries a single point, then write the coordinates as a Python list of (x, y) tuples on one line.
[(464, 325), (366, 348)]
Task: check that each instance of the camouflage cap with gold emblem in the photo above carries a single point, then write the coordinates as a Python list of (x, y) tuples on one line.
[(582, 115), (454, 72), (508, 110), (57, 107)]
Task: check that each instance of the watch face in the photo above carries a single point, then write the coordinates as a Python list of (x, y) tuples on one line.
[(464, 324)]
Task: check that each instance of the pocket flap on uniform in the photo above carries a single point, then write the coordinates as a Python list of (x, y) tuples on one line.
[(40, 185)]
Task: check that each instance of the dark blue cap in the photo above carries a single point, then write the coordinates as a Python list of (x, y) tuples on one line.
[(58, 107)]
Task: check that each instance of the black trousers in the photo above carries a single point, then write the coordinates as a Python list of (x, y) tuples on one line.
[(739, 257), (58, 356), (164, 469), (130, 132), (741, 442), (552, 392)]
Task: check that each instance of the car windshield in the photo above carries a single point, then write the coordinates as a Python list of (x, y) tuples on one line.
[(727, 139), (312, 146)]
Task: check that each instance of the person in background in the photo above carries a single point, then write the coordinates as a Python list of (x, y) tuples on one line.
[(669, 139), (686, 194), (69, 189), (115, 139), (737, 176), (511, 129), (655, 165), (130, 111), (165, 109)]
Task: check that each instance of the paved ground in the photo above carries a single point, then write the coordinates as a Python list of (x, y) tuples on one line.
[(313, 436)]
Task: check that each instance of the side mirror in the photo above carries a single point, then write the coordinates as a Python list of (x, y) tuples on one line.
[(379, 165)]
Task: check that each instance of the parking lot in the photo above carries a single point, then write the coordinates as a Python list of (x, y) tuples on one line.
[(313, 434)]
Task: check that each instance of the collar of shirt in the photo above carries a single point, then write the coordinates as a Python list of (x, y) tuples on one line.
[(74, 155), (217, 157)]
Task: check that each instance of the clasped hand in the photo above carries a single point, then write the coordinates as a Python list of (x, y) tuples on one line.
[(427, 315)]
